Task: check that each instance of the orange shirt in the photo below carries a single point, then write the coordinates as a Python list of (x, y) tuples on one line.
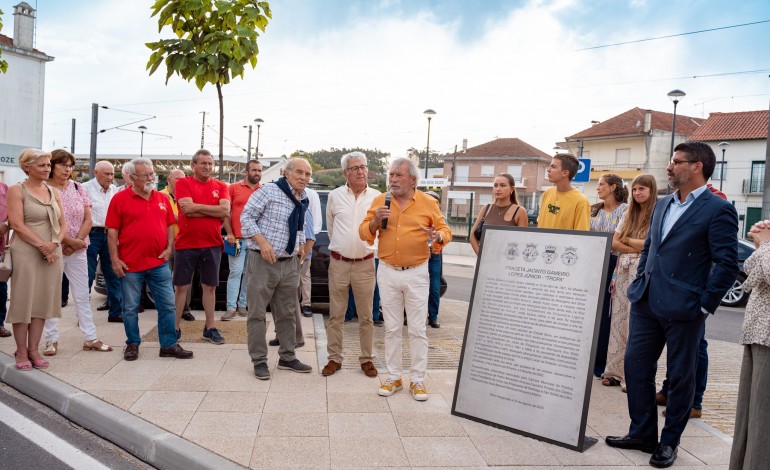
[(240, 193), (404, 243)]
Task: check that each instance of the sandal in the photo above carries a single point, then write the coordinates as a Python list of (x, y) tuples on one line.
[(39, 363), (50, 348), (610, 382), (96, 345), (23, 365)]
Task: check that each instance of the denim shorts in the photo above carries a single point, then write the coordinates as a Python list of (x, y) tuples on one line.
[(205, 259)]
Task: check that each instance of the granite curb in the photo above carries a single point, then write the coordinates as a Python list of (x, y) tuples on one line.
[(150, 443)]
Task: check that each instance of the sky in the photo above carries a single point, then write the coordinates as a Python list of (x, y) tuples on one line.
[(360, 73)]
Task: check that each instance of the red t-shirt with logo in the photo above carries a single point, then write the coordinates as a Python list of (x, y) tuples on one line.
[(200, 232), (240, 193), (142, 226)]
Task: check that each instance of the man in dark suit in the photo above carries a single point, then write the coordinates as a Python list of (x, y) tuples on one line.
[(688, 262)]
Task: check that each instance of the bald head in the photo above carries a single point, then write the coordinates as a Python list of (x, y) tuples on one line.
[(104, 173), (174, 175)]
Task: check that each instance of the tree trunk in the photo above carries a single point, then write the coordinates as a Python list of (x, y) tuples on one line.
[(221, 132)]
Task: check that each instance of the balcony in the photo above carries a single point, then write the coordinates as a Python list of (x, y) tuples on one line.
[(753, 186)]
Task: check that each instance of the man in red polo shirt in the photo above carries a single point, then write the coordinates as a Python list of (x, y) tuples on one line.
[(203, 203), (236, 280), (140, 235)]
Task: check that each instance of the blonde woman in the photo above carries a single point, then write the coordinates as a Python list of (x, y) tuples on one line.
[(504, 210), (36, 217)]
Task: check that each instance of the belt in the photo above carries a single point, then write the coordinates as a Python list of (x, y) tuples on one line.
[(339, 257), (277, 259), (99, 229), (398, 268)]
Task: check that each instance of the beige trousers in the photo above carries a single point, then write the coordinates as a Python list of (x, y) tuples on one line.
[(360, 277)]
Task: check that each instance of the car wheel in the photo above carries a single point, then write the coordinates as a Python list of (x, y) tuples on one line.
[(736, 296)]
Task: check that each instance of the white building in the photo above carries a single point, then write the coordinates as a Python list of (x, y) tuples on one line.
[(21, 93)]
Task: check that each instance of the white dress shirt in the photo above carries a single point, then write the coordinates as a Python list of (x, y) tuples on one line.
[(344, 214), (100, 200), (315, 208)]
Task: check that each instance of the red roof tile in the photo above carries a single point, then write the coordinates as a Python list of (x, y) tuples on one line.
[(506, 147), (733, 126), (632, 123), (5, 40)]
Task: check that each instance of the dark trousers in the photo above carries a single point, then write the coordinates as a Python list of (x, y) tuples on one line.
[(701, 373), (98, 251), (434, 298), (3, 301), (647, 336), (604, 325)]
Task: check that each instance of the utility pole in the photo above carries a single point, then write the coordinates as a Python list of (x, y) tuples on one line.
[(72, 139), (203, 127), (94, 133)]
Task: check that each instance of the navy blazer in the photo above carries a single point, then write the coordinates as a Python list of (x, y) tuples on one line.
[(695, 265)]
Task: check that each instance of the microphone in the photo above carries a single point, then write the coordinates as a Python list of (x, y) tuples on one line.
[(387, 204)]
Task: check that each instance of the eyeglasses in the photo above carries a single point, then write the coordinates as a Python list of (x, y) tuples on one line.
[(145, 176), (66, 166), (358, 168), (677, 162)]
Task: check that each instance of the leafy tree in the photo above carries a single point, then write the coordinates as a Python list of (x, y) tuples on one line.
[(332, 178), (376, 159), (214, 41), (3, 64)]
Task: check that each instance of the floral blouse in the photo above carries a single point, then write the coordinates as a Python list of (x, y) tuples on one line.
[(74, 200), (756, 322)]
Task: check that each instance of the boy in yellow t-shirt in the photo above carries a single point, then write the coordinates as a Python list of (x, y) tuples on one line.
[(564, 207)]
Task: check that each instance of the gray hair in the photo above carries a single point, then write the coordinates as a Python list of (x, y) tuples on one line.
[(200, 152), (129, 168), (292, 162), (345, 161), (412, 168)]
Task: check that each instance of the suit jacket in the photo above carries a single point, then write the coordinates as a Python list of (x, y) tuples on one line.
[(695, 265)]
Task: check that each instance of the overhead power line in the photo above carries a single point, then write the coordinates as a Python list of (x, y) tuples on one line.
[(636, 41)]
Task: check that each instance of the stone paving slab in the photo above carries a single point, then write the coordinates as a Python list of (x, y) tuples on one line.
[(309, 421)]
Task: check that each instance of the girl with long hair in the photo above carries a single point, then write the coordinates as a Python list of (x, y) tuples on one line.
[(504, 209), (628, 241)]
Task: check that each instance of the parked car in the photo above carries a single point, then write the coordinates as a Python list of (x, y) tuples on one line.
[(319, 276), (532, 216), (736, 296)]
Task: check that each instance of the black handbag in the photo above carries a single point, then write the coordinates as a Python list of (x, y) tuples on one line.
[(477, 232)]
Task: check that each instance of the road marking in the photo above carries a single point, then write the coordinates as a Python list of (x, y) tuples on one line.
[(48, 441)]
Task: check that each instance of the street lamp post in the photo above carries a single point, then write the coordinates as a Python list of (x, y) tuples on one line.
[(142, 129), (723, 146), (248, 147), (259, 123), (429, 113), (675, 96)]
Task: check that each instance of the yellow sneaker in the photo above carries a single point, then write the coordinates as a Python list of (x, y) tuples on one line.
[(390, 387), (419, 392)]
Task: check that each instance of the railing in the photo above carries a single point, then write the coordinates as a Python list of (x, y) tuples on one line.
[(753, 186)]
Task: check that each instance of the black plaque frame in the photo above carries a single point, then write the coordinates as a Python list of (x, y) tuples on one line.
[(584, 442)]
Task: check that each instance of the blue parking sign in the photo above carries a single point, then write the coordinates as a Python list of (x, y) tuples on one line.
[(584, 171)]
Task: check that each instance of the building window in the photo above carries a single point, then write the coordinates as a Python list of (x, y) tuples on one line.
[(757, 181), (487, 170), (719, 171), (485, 199), (622, 156), (515, 171), (462, 174)]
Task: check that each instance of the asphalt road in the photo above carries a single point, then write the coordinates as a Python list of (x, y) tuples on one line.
[(724, 325), (34, 436)]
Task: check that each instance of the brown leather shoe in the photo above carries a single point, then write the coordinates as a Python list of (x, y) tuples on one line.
[(176, 351), (131, 352), (660, 399), (369, 369), (331, 368), (3, 332)]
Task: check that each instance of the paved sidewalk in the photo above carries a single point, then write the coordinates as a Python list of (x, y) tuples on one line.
[(308, 421)]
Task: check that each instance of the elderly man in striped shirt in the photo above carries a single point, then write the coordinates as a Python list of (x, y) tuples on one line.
[(273, 221)]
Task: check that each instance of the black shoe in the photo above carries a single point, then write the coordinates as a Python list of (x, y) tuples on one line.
[(3, 332), (261, 371), (103, 307), (274, 342), (176, 351), (378, 322), (663, 457), (307, 311), (131, 352), (116, 319), (294, 365), (628, 442), (187, 316), (434, 324)]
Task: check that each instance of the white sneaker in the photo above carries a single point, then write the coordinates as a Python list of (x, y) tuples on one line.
[(229, 315)]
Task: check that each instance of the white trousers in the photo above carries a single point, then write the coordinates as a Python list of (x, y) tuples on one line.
[(76, 269), (399, 290)]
